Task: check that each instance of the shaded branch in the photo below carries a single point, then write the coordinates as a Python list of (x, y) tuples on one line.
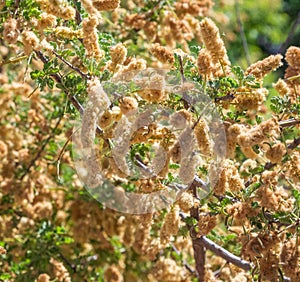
[(186, 265), (285, 44), (294, 144), (199, 255), (223, 253), (288, 122), (242, 32), (78, 14), (39, 153)]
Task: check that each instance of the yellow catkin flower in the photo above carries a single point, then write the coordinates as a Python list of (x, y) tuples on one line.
[(118, 55), (281, 87), (150, 30), (128, 105), (261, 68), (60, 271), (68, 33), (153, 90), (171, 225), (136, 21), (194, 8), (166, 269), (90, 37), (214, 44), (174, 24), (268, 199), (241, 210), (43, 278), (206, 223), (162, 53), (250, 99), (201, 131), (129, 71), (58, 8), (10, 31), (292, 56), (204, 63), (89, 7), (185, 202), (270, 177), (293, 167), (257, 135), (46, 21), (106, 5), (232, 132), (276, 153), (225, 177), (30, 41)]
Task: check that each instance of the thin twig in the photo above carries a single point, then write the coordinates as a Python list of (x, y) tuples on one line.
[(242, 32), (288, 122), (83, 75), (294, 144), (270, 165), (184, 95), (38, 155), (186, 265), (78, 14), (223, 253), (17, 4), (70, 97), (58, 79), (181, 70), (285, 44)]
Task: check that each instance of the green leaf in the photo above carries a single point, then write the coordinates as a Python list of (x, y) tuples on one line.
[(251, 188)]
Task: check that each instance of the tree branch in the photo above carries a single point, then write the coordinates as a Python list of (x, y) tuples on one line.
[(58, 79), (39, 153), (186, 265), (199, 255), (288, 122), (78, 15), (71, 98), (83, 75), (285, 44), (223, 253), (242, 32)]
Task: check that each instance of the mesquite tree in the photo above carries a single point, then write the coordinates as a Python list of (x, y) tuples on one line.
[(134, 149)]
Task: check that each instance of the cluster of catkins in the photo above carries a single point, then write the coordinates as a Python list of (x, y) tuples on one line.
[(93, 227)]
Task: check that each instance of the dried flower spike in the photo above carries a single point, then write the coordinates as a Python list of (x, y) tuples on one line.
[(214, 44), (261, 68), (162, 53)]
